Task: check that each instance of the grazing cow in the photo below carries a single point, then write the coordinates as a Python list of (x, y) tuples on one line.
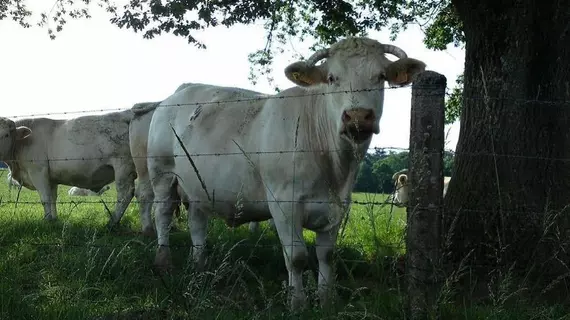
[(138, 139), (76, 191), (292, 157), (402, 187), (11, 182), (88, 152)]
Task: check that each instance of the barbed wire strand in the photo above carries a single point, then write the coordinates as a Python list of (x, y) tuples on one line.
[(277, 152), (266, 97)]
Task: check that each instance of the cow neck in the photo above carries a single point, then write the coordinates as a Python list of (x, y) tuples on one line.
[(333, 154)]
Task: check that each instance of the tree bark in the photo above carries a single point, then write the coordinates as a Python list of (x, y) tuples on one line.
[(511, 179)]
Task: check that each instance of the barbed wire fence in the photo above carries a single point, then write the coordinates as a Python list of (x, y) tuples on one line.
[(422, 225)]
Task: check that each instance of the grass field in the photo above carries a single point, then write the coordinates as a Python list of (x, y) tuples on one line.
[(75, 269)]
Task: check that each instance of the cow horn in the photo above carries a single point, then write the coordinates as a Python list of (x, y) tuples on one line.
[(317, 56), (392, 49)]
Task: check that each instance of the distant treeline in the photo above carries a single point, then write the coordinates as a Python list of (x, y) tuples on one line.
[(376, 170)]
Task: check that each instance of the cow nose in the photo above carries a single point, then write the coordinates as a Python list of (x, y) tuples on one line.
[(359, 123), (359, 117)]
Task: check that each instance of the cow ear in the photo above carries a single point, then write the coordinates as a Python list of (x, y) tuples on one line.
[(304, 75), (402, 72), (23, 132)]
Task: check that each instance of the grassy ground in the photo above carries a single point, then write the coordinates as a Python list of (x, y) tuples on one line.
[(75, 269)]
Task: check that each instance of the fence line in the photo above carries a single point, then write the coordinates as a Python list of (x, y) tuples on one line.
[(220, 102), (217, 154), (88, 244), (293, 96)]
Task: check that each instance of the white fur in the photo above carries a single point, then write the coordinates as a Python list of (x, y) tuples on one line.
[(87, 152), (282, 158), (76, 191), (402, 188), (11, 181)]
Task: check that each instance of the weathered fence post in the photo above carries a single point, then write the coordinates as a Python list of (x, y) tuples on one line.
[(423, 250)]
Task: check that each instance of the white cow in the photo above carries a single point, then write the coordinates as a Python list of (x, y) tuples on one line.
[(292, 157), (402, 186), (11, 182), (138, 139), (88, 152), (76, 191)]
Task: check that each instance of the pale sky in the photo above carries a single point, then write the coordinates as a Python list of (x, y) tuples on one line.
[(94, 65)]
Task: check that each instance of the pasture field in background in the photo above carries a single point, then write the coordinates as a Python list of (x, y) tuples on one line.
[(75, 268)]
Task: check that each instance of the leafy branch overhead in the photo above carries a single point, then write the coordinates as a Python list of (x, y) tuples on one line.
[(322, 22)]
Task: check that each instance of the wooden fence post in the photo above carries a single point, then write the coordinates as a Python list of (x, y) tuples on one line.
[(423, 249)]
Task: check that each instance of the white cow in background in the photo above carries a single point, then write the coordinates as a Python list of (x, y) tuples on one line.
[(402, 186), (88, 152), (76, 191), (11, 182), (292, 157)]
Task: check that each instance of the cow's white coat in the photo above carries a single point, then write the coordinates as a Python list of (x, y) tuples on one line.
[(88, 152), (288, 157)]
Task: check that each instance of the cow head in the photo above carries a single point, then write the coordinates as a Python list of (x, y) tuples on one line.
[(9, 136), (401, 186), (352, 82), (401, 189)]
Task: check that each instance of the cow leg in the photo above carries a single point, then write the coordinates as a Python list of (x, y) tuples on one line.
[(254, 227), (164, 195), (290, 231), (325, 243), (145, 197), (198, 226), (125, 184), (48, 193)]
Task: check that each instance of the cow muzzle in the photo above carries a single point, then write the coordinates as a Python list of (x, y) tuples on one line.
[(359, 124)]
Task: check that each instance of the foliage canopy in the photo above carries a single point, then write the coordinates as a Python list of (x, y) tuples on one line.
[(320, 21)]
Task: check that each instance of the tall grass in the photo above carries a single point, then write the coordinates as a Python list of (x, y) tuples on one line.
[(75, 269)]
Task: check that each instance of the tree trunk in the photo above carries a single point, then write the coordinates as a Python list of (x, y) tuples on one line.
[(511, 178)]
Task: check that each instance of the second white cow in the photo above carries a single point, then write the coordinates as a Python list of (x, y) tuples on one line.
[(88, 152), (11, 181), (76, 191), (138, 140), (402, 187)]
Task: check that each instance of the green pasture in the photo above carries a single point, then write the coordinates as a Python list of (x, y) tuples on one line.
[(75, 269)]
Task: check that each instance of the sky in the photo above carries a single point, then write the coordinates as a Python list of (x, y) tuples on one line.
[(93, 65)]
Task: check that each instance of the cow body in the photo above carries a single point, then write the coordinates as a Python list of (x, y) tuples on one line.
[(76, 191), (292, 157), (138, 140), (87, 152)]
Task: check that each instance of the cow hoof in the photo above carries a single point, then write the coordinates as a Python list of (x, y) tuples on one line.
[(254, 227), (163, 260)]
